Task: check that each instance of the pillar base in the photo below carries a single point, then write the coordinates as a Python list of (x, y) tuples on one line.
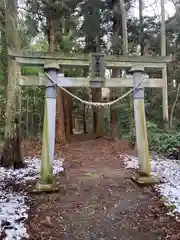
[(145, 180), (41, 187)]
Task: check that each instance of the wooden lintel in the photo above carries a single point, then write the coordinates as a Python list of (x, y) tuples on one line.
[(79, 63), (73, 60), (128, 82), (85, 82), (87, 57)]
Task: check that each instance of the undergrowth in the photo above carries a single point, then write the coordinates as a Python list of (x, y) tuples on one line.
[(160, 141)]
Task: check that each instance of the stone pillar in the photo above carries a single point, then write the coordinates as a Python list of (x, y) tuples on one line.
[(48, 143), (143, 176)]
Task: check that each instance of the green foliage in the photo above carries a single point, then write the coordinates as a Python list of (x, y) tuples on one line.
[(159, 141), (32, 110), (1, 76), (124, 115), (40, 46), (30, 71), (1, 132), (107, 120)]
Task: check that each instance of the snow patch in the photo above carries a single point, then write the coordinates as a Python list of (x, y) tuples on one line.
[(167, 170), (13, 207)]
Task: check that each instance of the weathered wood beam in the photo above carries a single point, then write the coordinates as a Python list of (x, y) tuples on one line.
[(40, 58), (87, 57), (85, 82), (82, 63), (86, 63)]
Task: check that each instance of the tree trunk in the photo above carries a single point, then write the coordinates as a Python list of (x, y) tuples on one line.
[(173, 107), (4, 55), (113, 111), (84, 119), (60, 123), (60, 126), (51, 36), (4, 59), (118, 30), (87, 111), (11, 154), (98, 113), (67, 100), (141, 29)]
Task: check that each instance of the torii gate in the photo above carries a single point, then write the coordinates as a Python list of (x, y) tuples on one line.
[(98, 63)]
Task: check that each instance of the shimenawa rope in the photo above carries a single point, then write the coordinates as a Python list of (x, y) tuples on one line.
[(96, 104)]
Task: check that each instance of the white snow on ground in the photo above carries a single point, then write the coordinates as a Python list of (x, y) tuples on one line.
[(13, 207), (168, 171)]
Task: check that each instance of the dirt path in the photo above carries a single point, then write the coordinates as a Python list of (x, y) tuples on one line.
[(98, 201)]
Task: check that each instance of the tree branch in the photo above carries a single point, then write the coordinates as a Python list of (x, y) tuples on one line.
[(2, 14), (173, 107)]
